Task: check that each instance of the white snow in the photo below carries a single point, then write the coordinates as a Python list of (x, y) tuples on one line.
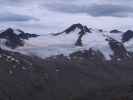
[(49, 45), (2, 44), (97, 41), (129, 45), (51, 40), (17, 32), (4, 47), (116, 36)]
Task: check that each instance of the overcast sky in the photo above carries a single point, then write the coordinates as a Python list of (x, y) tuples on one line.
[(44, 16)]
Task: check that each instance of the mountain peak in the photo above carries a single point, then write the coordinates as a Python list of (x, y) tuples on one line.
[(8, 31), (73, 27), (82, 29), (14, 38)]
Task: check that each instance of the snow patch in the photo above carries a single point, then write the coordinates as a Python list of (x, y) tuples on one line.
[(129, 45)]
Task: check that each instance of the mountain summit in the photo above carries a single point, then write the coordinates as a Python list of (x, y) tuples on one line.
[(82, 29), (14, 38)]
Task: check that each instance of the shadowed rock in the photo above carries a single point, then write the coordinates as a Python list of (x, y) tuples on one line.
[(115, 31), (127, 36), (118, 48), (13, 39)]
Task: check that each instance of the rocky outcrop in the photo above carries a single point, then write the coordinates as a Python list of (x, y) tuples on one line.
[(127, 36), (115, 31), (12, 40), (24, 35), (118, 49)]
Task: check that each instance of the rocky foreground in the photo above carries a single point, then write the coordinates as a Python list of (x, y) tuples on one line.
[(61, 78)]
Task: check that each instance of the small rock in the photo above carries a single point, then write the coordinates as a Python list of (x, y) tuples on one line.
[(23, 68), (10, 72)]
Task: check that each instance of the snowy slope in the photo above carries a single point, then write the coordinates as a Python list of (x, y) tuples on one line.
[(64, 43), (97, 41), (50, 45), (129, 45)]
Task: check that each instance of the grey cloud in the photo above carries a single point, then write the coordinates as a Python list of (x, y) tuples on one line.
[(93, 10), (10, 17), (88, 2), (117, 8), (109, 10)]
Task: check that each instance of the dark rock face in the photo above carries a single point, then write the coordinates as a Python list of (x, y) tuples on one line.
[(118, 48), (14, 40), (100, 30), (115, 31), (24, 35), (79, 26), (86, 29), (127, 36), (8, 34), (73, 27), (79, 40), (88, 54)]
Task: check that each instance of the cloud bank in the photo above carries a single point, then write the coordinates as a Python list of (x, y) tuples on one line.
[(11, 17)]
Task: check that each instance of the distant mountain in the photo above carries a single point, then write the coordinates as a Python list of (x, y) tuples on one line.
[(14, 38), (82, 29), (78, 28)]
